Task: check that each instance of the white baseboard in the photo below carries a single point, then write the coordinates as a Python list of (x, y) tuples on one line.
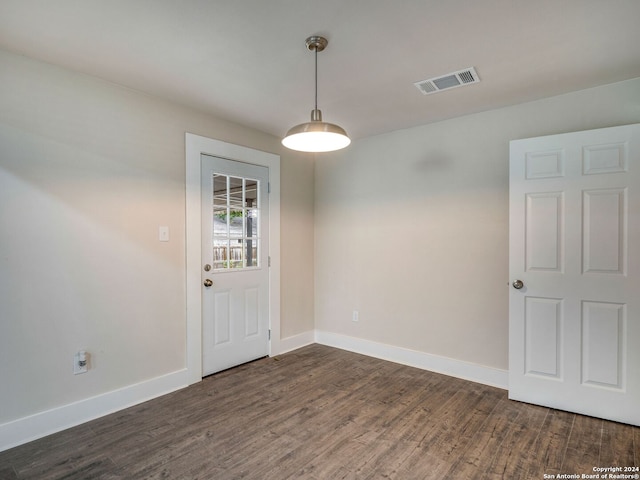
[(426, 361), (41, 424), (296, 341)]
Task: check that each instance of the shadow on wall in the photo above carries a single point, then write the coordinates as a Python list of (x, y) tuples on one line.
[(433, 163)]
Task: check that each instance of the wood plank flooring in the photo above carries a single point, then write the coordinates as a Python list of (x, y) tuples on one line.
[(321, 413)]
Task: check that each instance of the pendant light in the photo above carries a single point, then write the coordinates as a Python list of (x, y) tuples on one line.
[(316, 135)]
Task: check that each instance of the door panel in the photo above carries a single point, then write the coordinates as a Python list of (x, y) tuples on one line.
[(544, 225), (251, 312), (574, 242), (221, 333), (235, 231), (603, 338), (543, 329), (604, 235)]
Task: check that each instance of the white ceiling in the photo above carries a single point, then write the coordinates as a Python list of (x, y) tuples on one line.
[(245, 60)]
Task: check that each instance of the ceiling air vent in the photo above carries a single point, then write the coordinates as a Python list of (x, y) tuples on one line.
[(451, 80)]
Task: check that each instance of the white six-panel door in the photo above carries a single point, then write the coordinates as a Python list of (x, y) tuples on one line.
[(574, 323), (235, 263)]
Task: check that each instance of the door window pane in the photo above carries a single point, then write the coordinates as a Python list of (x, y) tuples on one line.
[(251, 253), (220, 190), (236, 192), (252, 223), (236, 222), (220, 227), (236, 218)]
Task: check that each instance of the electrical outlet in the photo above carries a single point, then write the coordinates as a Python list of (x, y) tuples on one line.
[(80, 362), (356, 316)]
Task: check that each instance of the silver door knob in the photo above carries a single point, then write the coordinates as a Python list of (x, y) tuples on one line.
[(518, 284), (208, 283)]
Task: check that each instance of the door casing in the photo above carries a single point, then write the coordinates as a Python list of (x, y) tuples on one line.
[(196, 146)]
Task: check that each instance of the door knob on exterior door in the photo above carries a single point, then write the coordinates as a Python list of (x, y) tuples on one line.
[(518, 284), (208, 283)]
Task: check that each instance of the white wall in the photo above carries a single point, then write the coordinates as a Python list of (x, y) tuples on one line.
[(88, 172), (412, 226), (297, 247), (410, 229)]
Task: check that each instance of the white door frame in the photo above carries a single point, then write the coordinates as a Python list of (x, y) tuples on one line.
[(195, 147)]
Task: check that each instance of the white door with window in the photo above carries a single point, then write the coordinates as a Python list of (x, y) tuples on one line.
[(235, 274), (574, 260)]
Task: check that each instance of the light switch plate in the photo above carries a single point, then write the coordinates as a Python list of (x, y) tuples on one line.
[(163, 234)]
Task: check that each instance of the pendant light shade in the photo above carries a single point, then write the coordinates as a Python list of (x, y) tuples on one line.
[(316, 135)]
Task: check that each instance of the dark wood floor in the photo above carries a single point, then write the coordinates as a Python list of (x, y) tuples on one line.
[(322, 413)]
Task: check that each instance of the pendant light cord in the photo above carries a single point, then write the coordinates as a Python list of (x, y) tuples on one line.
[(316, 52)]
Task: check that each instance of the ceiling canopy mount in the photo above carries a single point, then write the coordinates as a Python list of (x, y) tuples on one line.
[(316, 43)]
